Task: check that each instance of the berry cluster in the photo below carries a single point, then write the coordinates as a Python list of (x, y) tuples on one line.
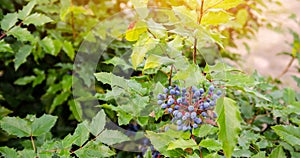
[(189, 107)]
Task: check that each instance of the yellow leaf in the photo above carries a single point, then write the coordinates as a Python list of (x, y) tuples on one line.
[(134, 33), (216, 17)]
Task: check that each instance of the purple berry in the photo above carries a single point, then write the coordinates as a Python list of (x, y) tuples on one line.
[(187, 115), (212, 103), (197, 94), (206, 105), (179, 100), (177, 93), (184, 128), (176, 107), (195, 125), (184, 117), (204, 114), (163, 106), (179, 128), (183, 90), (160, 97), (215, 115)]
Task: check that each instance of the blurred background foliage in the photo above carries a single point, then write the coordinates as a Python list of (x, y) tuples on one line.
[(36, 58)]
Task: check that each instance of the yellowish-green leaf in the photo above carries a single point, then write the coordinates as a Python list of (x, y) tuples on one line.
[(215, 17), (154, 61), (288, 133), (140, 49), (182, 144), (26, 10), (76, 109), (24, 80), (241, 17), (134, 33), (69, 50), (192, 75), (37, 19), (141, 7), (277, 153), (223, 4)]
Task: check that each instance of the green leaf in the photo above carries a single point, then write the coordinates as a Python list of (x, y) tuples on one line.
[(15, 126), (24, 80), (211, 144), (21, 55), (160, 141), (26, 10), (27, 153), (5, 47), (215, 17), (277, 152), (9, 21), (39, 78), (69, 50), (98, 123), (76, 109), (154, 61), (8, 152), (43, 124), (205, 130), (140, 49), (261, 154), (94, 150), (124, 118), (50, 46), (297, 79), (111, 137), (37, 19), (4, 111), (182, 144), (192, 75), (82, 133), (21, 34), (289, 95), (229, 121), (58, 100), (288, 133)]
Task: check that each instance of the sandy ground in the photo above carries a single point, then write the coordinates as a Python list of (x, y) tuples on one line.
[(264, 48)]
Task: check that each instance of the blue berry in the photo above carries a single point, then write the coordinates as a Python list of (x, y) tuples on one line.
[(193, 115), (207, 99), (211, 88), (215, 115), (215, 97), (179, 100), (166, 128), (170, 101), (163, 106), (195, 125), (184, 128), (177, 93), (170, 110), (179, 128), (179, 115), (177, 88), (166, 90), (210, 92), (201, 107), (197, 94), (204, 114), (184, 117), (187, 115), (219, 93), (201, 90), (175, 112), (172, 92), (206, 105), (176, 107), (159, 102), (191, 108), (198, 120), (160, 97), (183, 90), (179, 122), (170, 87), (212, 103)]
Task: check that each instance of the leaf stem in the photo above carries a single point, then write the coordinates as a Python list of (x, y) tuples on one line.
[(72, 22), (32, 142)]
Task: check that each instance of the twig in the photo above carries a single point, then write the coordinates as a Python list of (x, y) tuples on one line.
[(286, 68), (195, 41), (72, 22), (2, 36), (170, 77)]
